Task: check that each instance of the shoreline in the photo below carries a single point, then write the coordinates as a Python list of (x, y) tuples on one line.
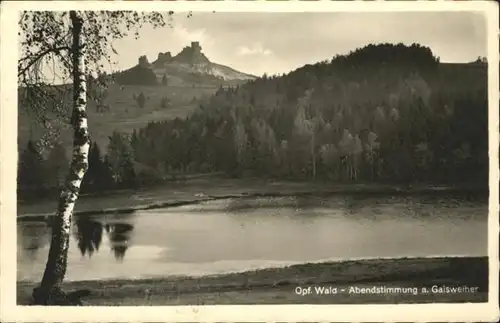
[(278, 285), (193, 194)]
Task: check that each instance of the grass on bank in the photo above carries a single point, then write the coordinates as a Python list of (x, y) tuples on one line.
[(277, 285), (208, 187)]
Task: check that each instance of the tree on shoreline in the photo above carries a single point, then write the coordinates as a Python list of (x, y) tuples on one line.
[(78, 42), (30, 170)]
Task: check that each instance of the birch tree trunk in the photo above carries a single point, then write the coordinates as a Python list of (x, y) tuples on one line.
[(50, 292)]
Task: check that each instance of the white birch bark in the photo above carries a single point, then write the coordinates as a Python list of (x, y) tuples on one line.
[(55, 269)]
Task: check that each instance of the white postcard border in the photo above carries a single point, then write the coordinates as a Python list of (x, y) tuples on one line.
[(10, 312)]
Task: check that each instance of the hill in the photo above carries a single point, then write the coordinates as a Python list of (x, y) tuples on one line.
[(172, 87), (381, 113), (120, 111), (187, 67)]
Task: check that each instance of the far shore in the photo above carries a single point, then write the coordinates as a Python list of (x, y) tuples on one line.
[(207, 189), (413, 280)]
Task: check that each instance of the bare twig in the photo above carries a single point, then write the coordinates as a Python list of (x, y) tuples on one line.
[(34, 60)]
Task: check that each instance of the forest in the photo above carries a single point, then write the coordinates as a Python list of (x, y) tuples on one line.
[(382, 113)]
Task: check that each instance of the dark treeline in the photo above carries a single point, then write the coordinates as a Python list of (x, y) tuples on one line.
[(398, 55), (351, 119), (383, 113), (41, 177), (136, 75)]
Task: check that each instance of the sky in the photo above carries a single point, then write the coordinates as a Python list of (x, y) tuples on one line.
[(276, 43)]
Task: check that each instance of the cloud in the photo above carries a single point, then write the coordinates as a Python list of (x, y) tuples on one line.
[(186, 36), (256, 49)]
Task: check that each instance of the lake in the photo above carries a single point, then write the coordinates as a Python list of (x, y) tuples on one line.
[(249, 233)]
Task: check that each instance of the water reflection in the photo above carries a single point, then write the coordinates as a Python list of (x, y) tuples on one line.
[(261, 232), (119, 236), (33, 237), (89, 236)]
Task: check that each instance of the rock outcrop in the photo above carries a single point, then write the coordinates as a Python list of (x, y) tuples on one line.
[(163, 58), (192, 55), (188, 66), (143, 62)]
